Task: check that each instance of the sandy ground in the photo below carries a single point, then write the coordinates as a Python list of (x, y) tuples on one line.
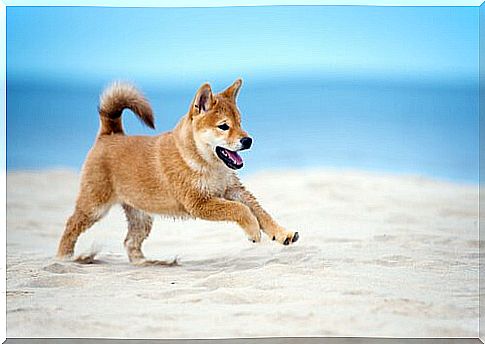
[(378, 255)]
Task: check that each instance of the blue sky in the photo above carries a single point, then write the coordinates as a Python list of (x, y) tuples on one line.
[(179, 44)]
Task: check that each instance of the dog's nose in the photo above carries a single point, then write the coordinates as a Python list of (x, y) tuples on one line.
[(246, 142)]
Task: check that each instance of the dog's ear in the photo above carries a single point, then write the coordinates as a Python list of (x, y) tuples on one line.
[(232, 91), (203, 100)]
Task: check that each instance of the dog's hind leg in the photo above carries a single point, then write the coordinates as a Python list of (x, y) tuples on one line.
[(93, 202), (79, 222), (139, 227)]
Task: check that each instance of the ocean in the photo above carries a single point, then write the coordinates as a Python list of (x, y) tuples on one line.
[(420, 128)]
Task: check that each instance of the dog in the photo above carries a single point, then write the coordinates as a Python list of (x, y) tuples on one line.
[(189, 172)]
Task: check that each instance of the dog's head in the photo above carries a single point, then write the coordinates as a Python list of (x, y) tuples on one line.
[(216, 124)]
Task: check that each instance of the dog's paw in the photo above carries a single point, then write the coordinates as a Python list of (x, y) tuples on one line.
[(255, 237), (286, 238)]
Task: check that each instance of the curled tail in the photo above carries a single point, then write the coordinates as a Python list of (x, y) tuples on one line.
[(114, 100)]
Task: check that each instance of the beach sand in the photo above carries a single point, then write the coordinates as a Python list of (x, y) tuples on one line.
[(378, 255)]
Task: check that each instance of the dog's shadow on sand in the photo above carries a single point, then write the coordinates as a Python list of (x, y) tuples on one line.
[(248, 259)]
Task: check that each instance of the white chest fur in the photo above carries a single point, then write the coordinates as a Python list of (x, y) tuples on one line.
[(215, 182)]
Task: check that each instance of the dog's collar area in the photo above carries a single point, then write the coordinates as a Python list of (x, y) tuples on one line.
[(232, 159)]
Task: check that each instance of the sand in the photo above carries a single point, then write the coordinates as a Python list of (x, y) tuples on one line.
[(378, 255)]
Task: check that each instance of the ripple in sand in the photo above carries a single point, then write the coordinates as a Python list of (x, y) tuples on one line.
[(59, 268)]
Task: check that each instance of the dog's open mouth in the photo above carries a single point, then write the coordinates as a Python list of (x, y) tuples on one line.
[(230, 158)]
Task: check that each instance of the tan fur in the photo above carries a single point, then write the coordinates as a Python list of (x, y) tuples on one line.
[(114, 100), (175, 173)]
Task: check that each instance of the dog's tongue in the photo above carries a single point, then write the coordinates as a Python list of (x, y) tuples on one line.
[(235, 157)]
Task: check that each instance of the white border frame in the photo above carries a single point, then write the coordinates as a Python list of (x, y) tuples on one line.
[(143, 3), (3, 172), (232, 3)]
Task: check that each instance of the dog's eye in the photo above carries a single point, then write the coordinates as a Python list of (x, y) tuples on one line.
[(223, 126)]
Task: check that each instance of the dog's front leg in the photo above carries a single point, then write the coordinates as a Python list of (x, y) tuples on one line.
[(266, 222), (219, 209)]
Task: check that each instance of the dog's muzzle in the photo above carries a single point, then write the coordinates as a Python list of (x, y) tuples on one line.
[(231, 158)]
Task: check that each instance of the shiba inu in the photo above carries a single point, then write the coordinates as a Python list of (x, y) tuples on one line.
[(187, 172)]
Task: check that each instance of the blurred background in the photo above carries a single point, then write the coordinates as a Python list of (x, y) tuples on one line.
[(387, 89)]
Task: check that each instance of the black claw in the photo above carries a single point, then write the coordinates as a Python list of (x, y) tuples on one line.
[(295, 237), (274, 238), (287, 241)]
